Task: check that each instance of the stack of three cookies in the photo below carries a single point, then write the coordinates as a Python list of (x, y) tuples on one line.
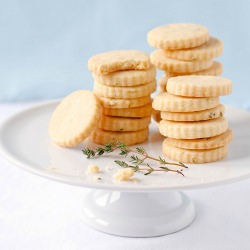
[(193, 118), (123, 83), (184, 49)]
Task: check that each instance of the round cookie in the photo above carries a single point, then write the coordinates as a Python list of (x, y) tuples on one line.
[(211, 49), (116, 60), (114, 103), (142, 111), (124, 92), (74, 118), (194, 155), (100, 136), (127, 77), (193, 130), (160, 59), (178, 36), (215, 70), (203, 143), (112, 123), (199, 86), (172, 103), (206, 114)]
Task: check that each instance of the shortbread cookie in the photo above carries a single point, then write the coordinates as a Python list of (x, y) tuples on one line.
[(172, 103), (142, 111), (156, 115), (112, 61), (127, 77), (162, 84), (204, 143), (124, 103), (211, 49), (124, 92), (199, 86), (74, 118), (206, 114), (100, 136), (194, 155), (112, 123), (193, 130), (178, 36), (160, 59), (215, 70)]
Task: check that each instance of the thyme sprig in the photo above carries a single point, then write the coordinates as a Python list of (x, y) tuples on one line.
[(148, 168), (135, 158)]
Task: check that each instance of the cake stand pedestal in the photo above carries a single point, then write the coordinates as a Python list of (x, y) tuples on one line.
[(137, 214)]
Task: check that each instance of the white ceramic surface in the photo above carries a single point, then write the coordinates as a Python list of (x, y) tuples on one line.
[(25, 142), (137, 214)]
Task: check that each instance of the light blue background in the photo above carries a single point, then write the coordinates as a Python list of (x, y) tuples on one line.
[(45, 45)]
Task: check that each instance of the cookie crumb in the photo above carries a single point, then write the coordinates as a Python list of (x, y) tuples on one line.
[(93, 169), (123, 174)]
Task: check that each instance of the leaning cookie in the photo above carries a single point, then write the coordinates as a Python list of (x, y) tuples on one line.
[(74, 118)]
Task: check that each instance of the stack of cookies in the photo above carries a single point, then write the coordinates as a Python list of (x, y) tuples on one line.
[(123, 82), (184, 49), (193, 118)]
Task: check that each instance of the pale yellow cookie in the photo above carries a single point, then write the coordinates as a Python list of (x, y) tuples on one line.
[(162, 84), (124, 103), (160, 59), (199, 86), (194, 155), (112, 123), (204, 143), (127, 77), (193, 130), (142, 111), (172, 103), (211, 49), (116, 60), (74, 118), (206, 114), (215, 70), (178, 36), (124, 92), (100, 136)]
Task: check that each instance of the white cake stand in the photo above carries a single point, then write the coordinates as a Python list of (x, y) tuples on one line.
[(146, 206)]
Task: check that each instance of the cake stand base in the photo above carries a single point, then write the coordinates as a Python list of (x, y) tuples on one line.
[(137, 214)]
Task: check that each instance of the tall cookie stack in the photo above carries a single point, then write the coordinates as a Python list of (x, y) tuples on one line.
[(123, 82), (184, 49), (193, 118)]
